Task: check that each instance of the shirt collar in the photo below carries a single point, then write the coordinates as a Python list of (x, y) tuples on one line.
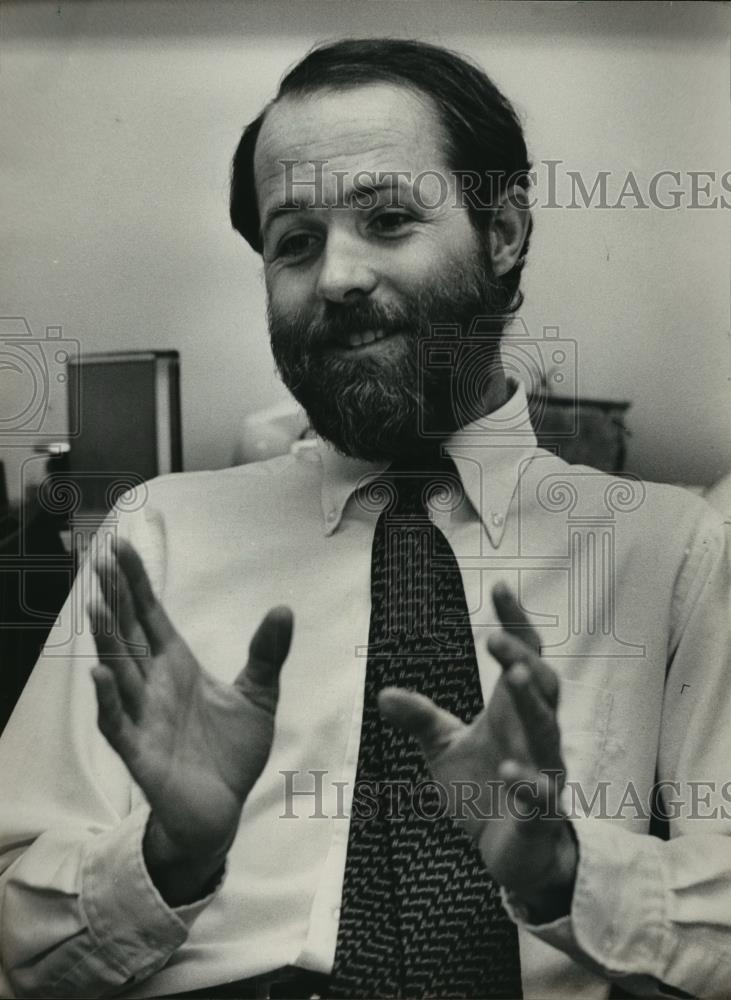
[(490, 455)]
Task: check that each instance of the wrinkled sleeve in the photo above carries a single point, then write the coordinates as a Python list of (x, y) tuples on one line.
[(79, 915), (655, 915)]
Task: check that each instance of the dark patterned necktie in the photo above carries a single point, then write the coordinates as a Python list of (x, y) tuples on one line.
[(420, 916)]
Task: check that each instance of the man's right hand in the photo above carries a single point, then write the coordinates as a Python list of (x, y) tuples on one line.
[(194, 745)]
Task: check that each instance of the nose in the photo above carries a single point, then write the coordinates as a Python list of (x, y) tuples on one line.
[(346, 271)]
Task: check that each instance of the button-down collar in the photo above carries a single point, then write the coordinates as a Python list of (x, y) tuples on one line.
[(490, 455)]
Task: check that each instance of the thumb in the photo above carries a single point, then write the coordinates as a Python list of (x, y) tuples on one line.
[(418, 716), (267, 650)]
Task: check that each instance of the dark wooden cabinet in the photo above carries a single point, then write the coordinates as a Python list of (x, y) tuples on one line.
[(582, 431)]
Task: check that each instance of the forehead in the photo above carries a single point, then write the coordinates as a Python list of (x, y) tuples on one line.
[(376, 128)]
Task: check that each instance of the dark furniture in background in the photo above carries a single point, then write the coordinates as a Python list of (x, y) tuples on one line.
[(36, 573), (125, 427), (582, 431), (125, 409)]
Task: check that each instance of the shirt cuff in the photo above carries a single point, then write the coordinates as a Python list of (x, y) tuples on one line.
[(133, 928), (617, 923)]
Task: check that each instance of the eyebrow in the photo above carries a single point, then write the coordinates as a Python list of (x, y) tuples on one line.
[(293, 205)]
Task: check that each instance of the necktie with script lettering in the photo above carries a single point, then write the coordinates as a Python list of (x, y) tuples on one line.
[(420, 916)]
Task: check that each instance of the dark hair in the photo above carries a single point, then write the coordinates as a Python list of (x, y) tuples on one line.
[(483, 134)]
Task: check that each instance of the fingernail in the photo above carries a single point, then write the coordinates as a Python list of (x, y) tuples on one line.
[(509, 770), (520, 673)]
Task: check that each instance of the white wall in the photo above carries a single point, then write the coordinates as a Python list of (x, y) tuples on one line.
[(118, 123)]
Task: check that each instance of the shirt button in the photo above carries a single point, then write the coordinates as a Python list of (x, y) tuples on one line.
[(336, 912), (332, 516), (497, 519)]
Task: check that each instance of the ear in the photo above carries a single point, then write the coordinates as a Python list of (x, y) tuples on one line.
[(508, 229)]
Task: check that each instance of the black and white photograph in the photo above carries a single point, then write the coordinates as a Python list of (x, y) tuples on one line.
[(365, 499)]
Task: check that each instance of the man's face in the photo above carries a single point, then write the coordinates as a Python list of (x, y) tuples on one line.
[(363, 262)]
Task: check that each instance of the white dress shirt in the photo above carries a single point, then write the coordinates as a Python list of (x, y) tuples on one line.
[(628, 587)]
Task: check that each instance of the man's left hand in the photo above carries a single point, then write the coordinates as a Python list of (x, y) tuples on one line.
[(511, 752)]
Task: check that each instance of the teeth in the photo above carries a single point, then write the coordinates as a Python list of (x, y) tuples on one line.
[(367, 337)]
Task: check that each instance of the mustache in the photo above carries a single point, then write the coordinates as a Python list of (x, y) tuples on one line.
[(338, 321)]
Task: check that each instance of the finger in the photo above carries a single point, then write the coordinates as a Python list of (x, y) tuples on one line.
[(158, 629), (113, 655), (118, 599), (513, 618), (538, 718), (533, 795), (138, 646), (267, 652), (111, 717), (521, 788), (509, 649), (417, 715)]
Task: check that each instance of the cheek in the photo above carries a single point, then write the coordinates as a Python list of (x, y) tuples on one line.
[(447, 245), (288, 291), (408, 269)]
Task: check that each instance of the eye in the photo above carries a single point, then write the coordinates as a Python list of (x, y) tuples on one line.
[(392, 223), (296, 246)]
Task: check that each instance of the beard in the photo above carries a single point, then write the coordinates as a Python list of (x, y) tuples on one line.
[(400, 400)]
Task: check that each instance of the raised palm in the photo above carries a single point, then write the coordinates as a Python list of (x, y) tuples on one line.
[(194, 745), (506, 765)]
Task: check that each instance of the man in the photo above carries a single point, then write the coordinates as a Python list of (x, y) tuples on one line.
[(424, 560)]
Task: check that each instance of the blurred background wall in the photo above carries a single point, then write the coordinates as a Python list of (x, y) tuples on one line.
[(119, 119)]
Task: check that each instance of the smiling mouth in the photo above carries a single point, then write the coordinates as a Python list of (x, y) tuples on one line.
[(364, 340)]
